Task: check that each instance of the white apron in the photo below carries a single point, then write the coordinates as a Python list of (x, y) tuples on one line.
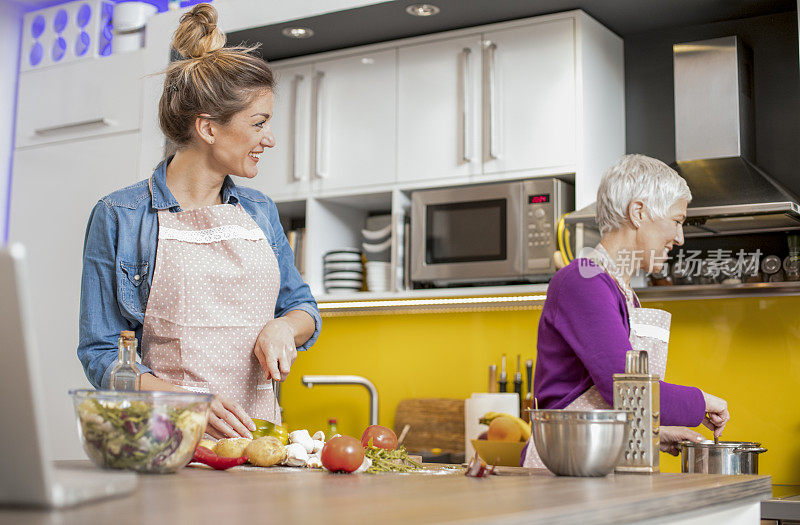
[(215, 286), (649, 332)]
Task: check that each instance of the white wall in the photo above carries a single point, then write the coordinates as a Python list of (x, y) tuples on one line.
[(11, 29)]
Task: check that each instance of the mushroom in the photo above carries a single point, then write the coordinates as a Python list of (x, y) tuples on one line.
[(296, 455), (303, 438)]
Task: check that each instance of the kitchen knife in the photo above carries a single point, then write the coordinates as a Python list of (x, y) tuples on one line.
[(503, 381), (528, 403), (492, 379), (276, 389), (518, 381)]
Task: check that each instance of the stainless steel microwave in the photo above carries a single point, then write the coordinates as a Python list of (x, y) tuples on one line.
[(489, 233)]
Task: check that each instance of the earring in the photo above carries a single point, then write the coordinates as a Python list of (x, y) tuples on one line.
[(212, 141)]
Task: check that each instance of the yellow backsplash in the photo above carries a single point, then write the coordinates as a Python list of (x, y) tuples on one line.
[(745, 350)]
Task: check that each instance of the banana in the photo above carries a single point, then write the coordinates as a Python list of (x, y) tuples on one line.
[(524, 427), (489, 416)]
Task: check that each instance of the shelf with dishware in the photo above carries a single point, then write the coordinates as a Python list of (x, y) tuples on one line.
[(352, 248), (334, 243)]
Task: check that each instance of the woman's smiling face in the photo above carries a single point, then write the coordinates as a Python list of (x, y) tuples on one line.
[(239, 143), (656, 237)]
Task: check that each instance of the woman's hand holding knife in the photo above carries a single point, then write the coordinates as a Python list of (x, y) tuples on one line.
[(276, 346), (275, 349)]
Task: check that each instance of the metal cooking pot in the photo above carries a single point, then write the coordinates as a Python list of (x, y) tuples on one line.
[(725, 457)]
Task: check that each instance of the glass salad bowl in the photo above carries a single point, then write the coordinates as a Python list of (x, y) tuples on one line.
[(153, 432)]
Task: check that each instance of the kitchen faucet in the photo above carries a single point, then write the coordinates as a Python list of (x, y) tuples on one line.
[(310, 381)]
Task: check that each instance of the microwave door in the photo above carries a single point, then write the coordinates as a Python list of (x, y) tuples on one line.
[(467, 234)]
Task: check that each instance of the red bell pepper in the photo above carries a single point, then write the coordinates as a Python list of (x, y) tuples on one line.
[(207, 457)]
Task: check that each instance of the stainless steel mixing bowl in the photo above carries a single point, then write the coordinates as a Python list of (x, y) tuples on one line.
[(580, 442)]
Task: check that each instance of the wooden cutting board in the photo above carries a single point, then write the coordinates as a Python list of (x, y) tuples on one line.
[(435, 423)]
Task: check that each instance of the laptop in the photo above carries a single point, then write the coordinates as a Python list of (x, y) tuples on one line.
[(28, 475)]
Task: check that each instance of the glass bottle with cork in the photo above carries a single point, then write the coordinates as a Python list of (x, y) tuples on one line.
[(126, 375)]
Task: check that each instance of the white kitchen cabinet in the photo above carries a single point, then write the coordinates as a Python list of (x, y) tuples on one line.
[(537, 97), (354, 114), (439, 110), (529, 97), (80, 99), (549, 102), (54, 189), (284, 170)]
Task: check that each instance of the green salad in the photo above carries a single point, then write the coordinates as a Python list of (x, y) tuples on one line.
[(135, 435)]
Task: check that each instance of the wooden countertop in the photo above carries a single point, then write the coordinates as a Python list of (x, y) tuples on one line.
[(284, 496)]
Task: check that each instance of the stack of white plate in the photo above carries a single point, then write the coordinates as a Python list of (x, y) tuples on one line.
[(377, 235), (379, 276), (343, 271)]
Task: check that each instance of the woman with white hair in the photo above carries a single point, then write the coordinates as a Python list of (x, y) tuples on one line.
[(592, 317)]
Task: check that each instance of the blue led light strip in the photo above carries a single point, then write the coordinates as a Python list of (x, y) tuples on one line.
[(13, 144)]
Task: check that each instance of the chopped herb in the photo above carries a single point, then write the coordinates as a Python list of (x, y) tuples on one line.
[(390, 460)]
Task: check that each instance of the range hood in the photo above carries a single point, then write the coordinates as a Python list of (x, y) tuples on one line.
[(714, 136)]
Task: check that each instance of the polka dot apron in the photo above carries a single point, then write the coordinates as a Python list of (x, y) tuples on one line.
[(649, 332), (214, 288)]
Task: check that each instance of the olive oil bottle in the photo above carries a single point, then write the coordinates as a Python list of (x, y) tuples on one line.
[(126, 375)]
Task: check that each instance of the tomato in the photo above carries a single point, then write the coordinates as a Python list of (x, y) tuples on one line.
[(382, 437), (343, 453)]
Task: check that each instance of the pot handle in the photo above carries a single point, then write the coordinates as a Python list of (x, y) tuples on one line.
[(756, 450)]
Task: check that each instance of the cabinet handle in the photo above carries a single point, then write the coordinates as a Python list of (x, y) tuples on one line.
[(492, 88), (319, 153), (72, 126), (297, 162), (465, 110)]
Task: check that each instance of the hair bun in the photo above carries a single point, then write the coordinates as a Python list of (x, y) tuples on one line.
[(197, 33)]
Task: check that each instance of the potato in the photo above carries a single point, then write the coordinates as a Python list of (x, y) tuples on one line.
[(231, 447), (265, 451), (210, 444)]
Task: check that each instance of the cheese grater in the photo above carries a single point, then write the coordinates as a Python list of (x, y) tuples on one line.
[(637, 391)]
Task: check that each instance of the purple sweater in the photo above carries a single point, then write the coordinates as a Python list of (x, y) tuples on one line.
[(583, 337)]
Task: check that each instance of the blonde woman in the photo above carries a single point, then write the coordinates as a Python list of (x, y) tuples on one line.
[(592, 317), (198, 266)]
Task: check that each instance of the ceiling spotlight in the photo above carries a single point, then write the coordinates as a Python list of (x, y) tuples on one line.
[(298, 32), (422, 10)]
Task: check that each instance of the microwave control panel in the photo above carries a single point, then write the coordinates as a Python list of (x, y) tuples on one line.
[(545, 201)]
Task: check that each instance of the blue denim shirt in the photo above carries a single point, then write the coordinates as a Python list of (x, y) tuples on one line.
[(119, 257)]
